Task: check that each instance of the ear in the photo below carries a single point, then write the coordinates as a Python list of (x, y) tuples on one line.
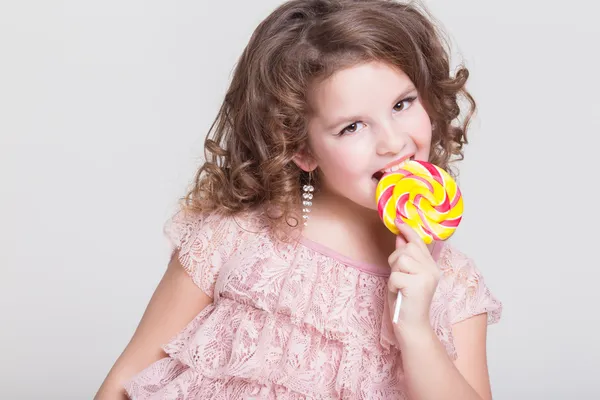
[(304, 160)]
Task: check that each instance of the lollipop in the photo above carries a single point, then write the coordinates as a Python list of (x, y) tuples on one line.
[(425, 197)]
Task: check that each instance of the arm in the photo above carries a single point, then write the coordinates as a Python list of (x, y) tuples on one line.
[(429, 372), (175, 302)]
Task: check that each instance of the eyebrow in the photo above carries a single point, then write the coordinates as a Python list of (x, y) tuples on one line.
[(343, 120)]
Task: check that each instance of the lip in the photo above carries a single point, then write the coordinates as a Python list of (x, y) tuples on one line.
[(379, 174), (398, 161)]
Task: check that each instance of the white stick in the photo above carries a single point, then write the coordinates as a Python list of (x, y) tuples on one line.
[(397, 308)]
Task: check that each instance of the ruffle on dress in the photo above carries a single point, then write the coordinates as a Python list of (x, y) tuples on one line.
[(289, 322)]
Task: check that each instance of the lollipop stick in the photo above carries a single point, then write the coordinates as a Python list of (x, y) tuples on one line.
[(397, 308)]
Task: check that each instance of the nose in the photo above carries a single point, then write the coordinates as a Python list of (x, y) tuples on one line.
[(390, 140)]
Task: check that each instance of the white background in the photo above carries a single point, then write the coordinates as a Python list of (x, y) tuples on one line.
[(103, 111)]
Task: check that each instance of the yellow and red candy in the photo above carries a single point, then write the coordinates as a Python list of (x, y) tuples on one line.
[(424, 196)]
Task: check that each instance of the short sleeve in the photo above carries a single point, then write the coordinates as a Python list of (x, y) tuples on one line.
[(204, 241), (465, 290)]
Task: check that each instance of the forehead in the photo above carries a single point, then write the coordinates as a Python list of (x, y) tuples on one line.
[(358, 88)]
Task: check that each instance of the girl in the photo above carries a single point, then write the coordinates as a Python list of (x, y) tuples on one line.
[(256, 304)]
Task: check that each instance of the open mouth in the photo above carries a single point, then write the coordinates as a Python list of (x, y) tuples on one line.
[(379, 174)]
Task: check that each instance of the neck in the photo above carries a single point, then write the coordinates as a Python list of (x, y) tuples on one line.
[(336, 207), (335, 215)]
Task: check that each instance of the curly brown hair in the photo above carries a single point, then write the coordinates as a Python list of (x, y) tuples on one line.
[(262, 122)]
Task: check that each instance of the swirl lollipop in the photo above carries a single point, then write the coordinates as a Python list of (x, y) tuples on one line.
[(425, 197)]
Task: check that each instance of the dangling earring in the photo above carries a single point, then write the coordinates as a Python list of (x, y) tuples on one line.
[(307, 196)]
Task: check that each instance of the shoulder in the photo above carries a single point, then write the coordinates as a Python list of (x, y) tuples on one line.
[(456, 265), (451, 258), (187, 226), (204, 241), (463, 286)]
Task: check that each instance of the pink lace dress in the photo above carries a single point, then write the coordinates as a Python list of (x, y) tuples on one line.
[(293, 320)]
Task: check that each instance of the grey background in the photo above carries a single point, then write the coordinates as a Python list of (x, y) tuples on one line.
[(103, 110)]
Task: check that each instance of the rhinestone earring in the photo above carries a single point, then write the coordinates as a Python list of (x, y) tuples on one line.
[(307, 195)]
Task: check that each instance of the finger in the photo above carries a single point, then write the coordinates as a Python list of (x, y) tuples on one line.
[(410, 235), (417, 260), (393, 258), (400, 241), (411, 251), (399, 281), (406, 264), (414, 251)]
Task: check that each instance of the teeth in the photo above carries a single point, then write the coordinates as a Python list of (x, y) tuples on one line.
[(397, 167)]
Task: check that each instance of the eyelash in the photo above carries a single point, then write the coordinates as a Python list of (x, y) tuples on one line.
[(409, 100)]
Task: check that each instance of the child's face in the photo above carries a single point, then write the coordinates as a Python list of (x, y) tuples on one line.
[(371, 104)]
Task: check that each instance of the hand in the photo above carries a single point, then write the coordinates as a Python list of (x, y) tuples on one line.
[(416, 275)]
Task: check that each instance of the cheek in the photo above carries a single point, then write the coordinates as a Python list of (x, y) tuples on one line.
[(423, 142), (422, 132), (342, 164), (340, 159)]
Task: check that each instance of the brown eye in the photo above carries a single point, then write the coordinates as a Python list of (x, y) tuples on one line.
[(399, 106), (352, 128), (404, 104)]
